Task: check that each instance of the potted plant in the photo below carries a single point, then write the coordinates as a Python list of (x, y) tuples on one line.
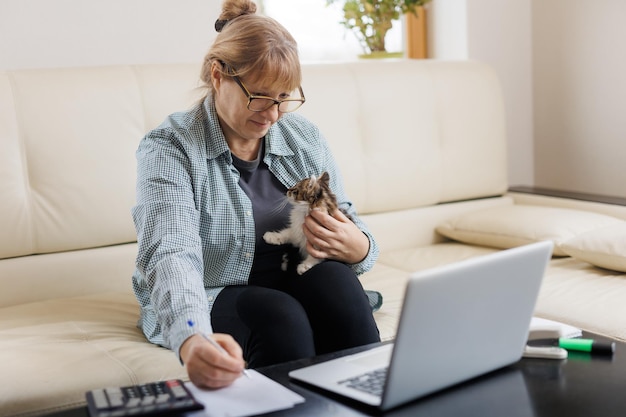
[(370, 20)]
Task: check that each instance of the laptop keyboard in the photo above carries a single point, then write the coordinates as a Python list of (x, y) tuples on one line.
[(371, 382)]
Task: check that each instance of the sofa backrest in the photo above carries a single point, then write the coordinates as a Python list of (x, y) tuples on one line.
[(411, 133), (406, 134)]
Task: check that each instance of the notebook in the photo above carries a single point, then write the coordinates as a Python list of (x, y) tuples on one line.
[(458, 321)]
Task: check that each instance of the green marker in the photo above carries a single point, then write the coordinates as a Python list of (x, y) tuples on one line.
[(587, 345)]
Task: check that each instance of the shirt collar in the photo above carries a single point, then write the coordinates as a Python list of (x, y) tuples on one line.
[(275, 141), (215, 140)]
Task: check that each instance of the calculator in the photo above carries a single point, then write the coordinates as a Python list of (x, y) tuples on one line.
[(152, 399)]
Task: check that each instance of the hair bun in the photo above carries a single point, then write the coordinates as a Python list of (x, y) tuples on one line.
[(219, 24), (232, 9)]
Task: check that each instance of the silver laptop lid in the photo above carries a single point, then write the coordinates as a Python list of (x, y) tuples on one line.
[(464, 319)]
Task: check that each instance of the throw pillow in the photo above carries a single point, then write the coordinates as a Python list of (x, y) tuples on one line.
[(605, 247), (515, 225)]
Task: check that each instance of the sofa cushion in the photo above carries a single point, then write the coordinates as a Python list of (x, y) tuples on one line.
[(53, 351), (604, 247), (515, 225), (579, 294)]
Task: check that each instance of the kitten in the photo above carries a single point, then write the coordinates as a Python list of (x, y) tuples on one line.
[(308, 194)]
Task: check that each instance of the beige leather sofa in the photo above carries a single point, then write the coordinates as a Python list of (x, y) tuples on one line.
[(422, 147)]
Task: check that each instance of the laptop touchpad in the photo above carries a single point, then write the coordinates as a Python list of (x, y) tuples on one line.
[(376, 358)]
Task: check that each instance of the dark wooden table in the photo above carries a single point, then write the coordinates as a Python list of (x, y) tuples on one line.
[(582, 385)]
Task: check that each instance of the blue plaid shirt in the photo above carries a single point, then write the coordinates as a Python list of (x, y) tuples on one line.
[(195, 225)]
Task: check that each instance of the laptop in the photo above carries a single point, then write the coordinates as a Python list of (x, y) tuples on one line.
[(458, 321)]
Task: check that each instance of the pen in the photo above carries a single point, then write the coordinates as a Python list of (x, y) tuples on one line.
[(587, 345), (214, 343)]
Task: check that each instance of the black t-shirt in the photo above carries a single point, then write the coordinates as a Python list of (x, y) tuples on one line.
[(270, 208)]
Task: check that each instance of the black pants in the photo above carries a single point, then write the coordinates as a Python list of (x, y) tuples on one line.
[(287, 316)]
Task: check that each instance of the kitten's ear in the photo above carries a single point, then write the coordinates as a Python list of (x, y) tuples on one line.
[(325, 178)]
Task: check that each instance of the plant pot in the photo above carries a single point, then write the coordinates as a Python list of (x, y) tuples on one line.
[(382, 55)]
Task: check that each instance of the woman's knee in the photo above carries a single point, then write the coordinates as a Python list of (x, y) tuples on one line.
[(279, 328), (337, 306), (263, 306), (329, 282)]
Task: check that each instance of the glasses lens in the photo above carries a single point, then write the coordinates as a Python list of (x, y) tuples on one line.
[(260, 104), (290, 105)]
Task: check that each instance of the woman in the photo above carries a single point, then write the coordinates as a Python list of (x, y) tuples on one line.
[(211, 181)]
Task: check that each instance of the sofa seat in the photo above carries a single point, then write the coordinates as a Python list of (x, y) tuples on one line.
[(69, 345), (585, 296)]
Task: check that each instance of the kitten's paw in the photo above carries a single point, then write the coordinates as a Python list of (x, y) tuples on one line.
[(273, 238), (285, 262), (303, 267), (307, 264)]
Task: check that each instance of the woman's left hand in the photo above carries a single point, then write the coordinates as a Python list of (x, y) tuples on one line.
[(334, 237)]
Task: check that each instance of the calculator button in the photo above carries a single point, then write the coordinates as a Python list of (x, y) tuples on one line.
[(116, 397), (149, 399), (179, 392), (100, 398), (133, 402), (162, 398)]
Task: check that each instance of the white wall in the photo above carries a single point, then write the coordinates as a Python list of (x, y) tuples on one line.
[(59, 33), (447, 29), (579, 57)]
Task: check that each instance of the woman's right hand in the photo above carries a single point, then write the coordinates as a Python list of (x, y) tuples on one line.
[(207, 367)]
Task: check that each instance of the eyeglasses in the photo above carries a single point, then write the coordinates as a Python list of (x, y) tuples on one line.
[(262, 103)]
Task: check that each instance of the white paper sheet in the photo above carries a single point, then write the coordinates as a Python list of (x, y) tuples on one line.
[(565, 330), (244, 397)]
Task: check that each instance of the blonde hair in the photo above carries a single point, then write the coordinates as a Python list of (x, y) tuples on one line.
[(254, 45)]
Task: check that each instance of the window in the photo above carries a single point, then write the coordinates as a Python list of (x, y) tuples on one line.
[(318, 32)]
